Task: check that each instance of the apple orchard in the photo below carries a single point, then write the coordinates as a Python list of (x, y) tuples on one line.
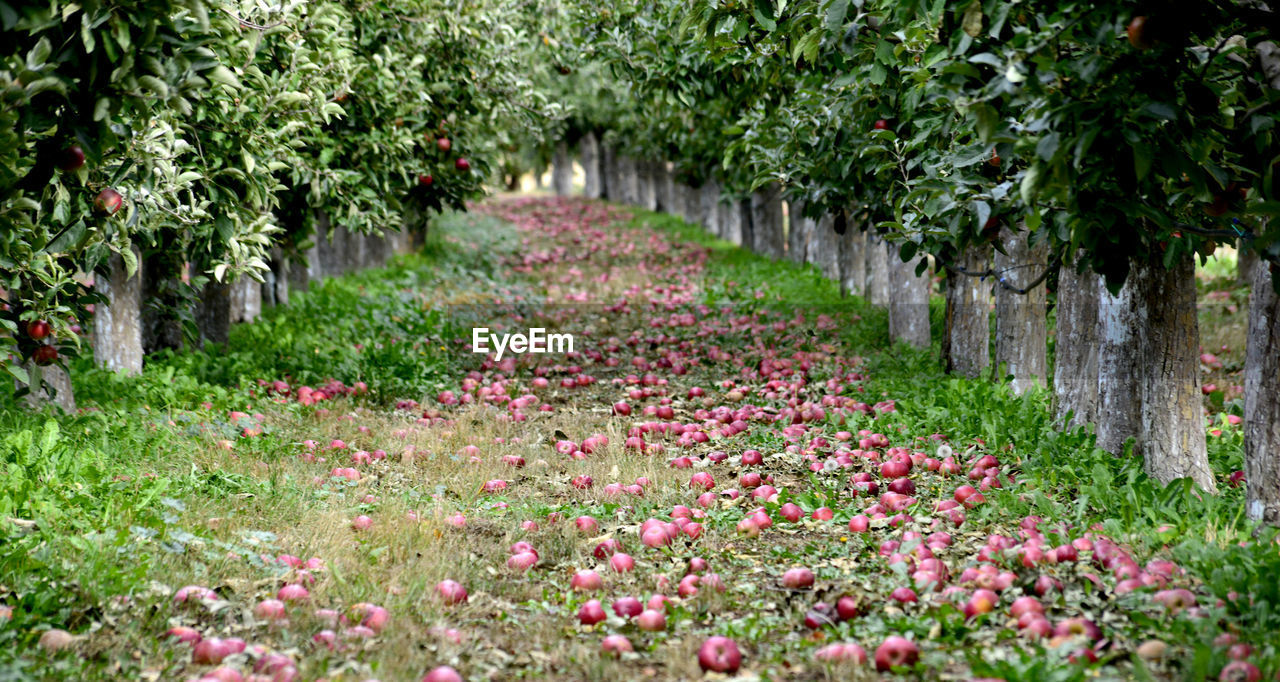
[(732, 339)]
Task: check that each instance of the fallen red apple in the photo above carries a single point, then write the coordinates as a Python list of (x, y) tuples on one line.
[(442, 674), (451, 591), (719, 654), (798, 578), (591, 612), (896, 652)]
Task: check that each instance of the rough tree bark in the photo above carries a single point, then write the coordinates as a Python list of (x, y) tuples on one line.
[(651, 177), (1021, 325), (692, 204), (966, 343), (57, 379), (1075, 362), (908, 300), (117, 324), (662, 187), (1119, 320), (1262, 398), (733, 213), (767, 237), (213, 313), (877, 286), (589, 157), (562, 170), (823, 249), (246, 299), (1262, 368), (1171, 438), (709, 207), (609, 173), (799, 231), (852, 254)]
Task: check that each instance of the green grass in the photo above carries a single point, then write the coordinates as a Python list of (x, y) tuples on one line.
[(135, 491)]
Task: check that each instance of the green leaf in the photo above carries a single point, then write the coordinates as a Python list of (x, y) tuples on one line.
[(221, 74), (39, 54), (885, 53), (69, 238), (18, 373), (763, 12), (1030, 182), (836, 12), (1048, 146), (1141, 160)]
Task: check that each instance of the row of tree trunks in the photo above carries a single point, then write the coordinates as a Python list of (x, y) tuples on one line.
[(1021, 327), (562, 170), (823, 249)]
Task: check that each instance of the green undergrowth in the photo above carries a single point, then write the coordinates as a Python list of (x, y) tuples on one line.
[(100, 495)]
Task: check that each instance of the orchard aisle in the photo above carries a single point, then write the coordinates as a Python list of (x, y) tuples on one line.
[(720, 456)]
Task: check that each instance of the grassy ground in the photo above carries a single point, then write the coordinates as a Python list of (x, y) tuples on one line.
[(200, 472)]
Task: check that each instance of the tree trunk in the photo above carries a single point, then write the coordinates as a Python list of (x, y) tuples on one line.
[(852, 254), (1075, 355), (353, 254), (799, 231), (692, 205), (966, 344), (877, 286), (1262, 398), (732, 214), (117, 324), (823, 249), (1246, 261), (213, 314), (1171, 438), (1119, 320), (608, 173), (663, 187), (589, 153), (1021, 326), (767, 236), (246, 299), (267, 289), (651, 175), (908, 301), (709, 207), (562, 170), (282, 269), (59, 391)]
